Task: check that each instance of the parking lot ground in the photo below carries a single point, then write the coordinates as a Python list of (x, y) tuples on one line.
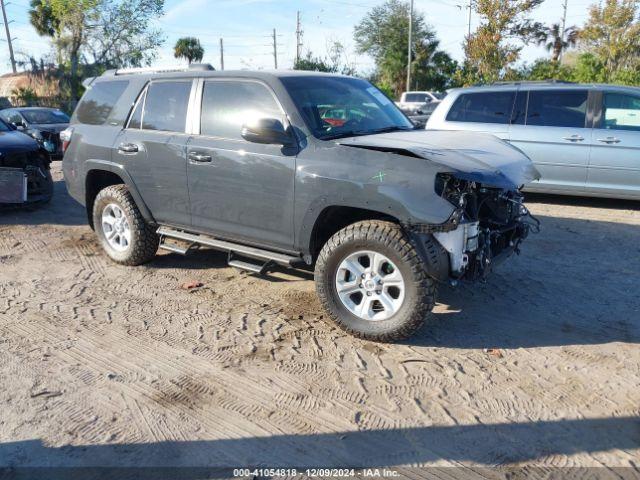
[(107, 365)]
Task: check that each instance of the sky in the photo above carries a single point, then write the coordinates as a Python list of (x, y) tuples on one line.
[(247, 28)]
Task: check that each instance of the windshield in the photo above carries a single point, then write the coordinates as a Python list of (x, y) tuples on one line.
[(335, 107), (45, 116)]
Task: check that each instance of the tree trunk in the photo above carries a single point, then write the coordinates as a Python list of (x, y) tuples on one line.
[(557, 49)]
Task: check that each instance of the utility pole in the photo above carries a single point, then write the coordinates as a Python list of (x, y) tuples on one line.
[(6, 29), (275, 49), (221, 54), (469, 19), (564, 26), (298, 39), (410, 46)]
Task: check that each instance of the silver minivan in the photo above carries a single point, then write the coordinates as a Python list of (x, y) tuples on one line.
[(584, 139)]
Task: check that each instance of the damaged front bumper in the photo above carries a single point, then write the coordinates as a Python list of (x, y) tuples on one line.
[(25, 178), (487, 226)]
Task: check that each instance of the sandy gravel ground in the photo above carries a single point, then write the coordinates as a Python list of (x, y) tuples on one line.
[(107, 365)]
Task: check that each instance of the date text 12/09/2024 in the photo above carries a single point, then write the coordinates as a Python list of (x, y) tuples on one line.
[(317, 472)]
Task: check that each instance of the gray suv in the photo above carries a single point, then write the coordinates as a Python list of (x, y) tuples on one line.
[(584, 139), (296, 169)]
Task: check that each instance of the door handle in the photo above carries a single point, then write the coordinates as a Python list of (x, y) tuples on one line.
[(574, 138), (609, 140), (199, 157), (128, 148)]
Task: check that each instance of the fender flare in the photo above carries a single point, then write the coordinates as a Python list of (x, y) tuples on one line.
[(120, 171)]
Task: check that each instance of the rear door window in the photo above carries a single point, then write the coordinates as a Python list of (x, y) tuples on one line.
[(98, 102), (557, 108), (482, 107), (621, 112), (166, 105), (227, 106)]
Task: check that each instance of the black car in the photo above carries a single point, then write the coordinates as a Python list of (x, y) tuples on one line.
[(43, 124), (24, 169)]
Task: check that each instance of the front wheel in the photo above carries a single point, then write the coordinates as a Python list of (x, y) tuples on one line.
[(372, 282), (122, 231)]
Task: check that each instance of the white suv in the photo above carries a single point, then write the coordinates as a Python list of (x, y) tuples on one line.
[(583, 139)]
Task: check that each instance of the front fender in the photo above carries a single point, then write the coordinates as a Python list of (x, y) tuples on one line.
[(393, 185)]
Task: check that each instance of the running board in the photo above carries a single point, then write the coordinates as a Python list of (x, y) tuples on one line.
[(266, 256)]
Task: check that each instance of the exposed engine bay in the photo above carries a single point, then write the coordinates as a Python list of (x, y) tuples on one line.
[(488, 225)]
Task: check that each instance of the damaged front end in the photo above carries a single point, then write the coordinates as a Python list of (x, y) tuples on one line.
[(488, 225), (25, 178)]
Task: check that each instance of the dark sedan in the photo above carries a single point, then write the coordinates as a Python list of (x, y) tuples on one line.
[(43, 124), (24, 169)]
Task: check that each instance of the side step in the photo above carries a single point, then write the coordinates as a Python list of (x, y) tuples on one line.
[(174, 247), (257, 266), (265, 258)]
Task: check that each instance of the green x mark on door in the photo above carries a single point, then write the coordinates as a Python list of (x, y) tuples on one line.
[(380, 176)]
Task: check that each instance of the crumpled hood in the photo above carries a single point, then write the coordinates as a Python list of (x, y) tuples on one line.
[(473, 156)]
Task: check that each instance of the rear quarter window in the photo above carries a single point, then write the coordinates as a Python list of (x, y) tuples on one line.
[(484, 107), (98, 102), (557, 108)]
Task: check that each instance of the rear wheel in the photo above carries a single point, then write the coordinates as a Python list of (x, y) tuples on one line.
[(372, 282), (121, 229)]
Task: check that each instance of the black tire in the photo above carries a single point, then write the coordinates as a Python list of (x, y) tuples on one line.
[(144, 240), (386, 238)]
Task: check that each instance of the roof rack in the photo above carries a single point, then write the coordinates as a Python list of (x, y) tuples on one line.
[(531, 82), (194, 67)]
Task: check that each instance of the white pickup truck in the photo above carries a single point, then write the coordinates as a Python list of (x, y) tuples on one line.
[(414, 100), (419, 106)]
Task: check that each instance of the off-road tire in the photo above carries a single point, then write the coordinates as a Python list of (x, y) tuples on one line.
[(144, 240), (388, 239)]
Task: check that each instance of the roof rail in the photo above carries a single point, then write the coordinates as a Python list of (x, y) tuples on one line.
[(194, 67), (532, 82)]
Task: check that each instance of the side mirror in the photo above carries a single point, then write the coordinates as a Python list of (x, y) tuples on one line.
[(266, 131), (19, 125)]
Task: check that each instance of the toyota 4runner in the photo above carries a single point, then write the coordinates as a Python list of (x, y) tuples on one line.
[(297, 169)]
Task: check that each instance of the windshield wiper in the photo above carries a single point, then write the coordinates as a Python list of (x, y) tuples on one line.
[(394, 128), (361, 133)]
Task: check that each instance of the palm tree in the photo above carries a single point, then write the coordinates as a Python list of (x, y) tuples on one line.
[(189, 48), (556, 41)]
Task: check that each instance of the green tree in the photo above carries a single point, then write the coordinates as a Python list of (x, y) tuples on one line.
[(612, 35), (97, 34), (544, 69), (383, 34), (334, 62), (189, 48), (505, 27), (124, 37), (556, 41)]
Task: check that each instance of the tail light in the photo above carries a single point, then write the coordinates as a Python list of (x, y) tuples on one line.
[(65, 138)]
